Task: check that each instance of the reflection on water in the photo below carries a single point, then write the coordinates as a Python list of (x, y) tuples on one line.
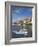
[(21, 31)]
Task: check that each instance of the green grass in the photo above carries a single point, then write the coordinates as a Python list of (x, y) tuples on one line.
[(28, 23)]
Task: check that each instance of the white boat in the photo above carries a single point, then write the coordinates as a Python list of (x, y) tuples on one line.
[(22, 31)]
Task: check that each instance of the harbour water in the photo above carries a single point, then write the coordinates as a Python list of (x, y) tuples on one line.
[(21, 32)]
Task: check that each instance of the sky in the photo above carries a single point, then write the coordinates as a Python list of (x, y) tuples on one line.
[(19, 13)]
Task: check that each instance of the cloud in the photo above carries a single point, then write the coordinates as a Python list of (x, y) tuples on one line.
[(20, 13)]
